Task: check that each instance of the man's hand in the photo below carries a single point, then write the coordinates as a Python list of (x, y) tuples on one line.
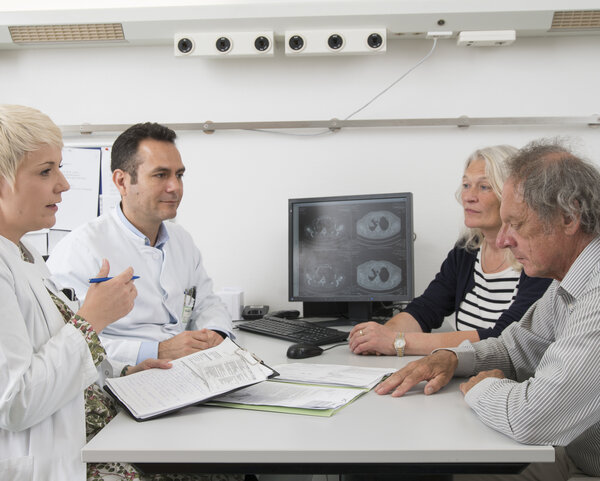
[(437, 368), (372, 338), (188, 342), (148, 364), (466, 386)]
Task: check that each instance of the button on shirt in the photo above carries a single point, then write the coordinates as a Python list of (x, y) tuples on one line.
[(166, 271), (154, 257)]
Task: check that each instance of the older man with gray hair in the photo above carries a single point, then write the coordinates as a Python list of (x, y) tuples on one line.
[(538, 382)]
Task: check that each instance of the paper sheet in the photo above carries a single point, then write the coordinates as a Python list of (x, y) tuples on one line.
[(109, 196), (333, 374), (303, 396), (192, 379), (81, 167)]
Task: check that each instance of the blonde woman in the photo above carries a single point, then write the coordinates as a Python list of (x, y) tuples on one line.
[(481, 284), (50, 354)]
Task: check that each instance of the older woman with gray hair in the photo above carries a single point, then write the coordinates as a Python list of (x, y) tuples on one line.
[(483, 285)]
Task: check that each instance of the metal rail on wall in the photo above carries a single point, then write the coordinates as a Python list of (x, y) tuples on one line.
[(334, 125)]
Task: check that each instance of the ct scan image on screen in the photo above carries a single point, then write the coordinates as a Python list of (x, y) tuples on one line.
[(352, 248)]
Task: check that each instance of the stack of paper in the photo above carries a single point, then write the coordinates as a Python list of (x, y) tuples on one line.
[(332, 374), (192, 379), (314, 389)]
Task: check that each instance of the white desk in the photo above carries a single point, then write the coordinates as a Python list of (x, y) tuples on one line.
[(415, 433)]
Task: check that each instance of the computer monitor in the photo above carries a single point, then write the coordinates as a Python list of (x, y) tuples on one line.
[(347, 253)]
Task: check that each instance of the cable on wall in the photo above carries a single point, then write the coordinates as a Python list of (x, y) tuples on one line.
[(335, 124), (394, 82), (331, 131)]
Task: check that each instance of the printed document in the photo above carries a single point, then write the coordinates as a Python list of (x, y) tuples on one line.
[(79, 205), (191, 380), (289, 395), (334, 374), (304, 388)]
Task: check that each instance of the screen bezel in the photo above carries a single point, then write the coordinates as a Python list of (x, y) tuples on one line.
[(409, 236)]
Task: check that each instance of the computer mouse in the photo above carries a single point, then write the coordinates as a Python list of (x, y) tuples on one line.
[(302, 351)]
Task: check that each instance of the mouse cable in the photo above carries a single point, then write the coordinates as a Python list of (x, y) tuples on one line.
[(335, 345)]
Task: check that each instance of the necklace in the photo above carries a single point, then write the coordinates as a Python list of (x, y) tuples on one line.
[(484, 266)]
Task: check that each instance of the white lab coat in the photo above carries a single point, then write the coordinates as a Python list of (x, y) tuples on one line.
[(45, 365), (160, 287)]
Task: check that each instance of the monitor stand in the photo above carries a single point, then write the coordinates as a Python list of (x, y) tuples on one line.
[(339, 313)]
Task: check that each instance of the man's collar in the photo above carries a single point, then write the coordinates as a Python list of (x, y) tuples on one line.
[(576, 279), (161, 238)]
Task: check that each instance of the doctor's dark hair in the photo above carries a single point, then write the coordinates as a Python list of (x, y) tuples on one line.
[(22, 130), (124, 155), (553, 182)]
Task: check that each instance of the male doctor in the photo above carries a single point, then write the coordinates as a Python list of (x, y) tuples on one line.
[(176, 312)]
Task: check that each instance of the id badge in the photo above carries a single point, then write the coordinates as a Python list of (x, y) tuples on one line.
[(189, 299), (186, 315)]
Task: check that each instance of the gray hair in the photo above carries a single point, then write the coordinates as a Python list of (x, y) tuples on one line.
[(553, 181), (23, 129), (495, 158)]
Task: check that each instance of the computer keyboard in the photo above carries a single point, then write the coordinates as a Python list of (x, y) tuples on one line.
[(294, 330)]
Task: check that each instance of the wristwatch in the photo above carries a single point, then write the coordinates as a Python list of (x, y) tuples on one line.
[(400, 344)]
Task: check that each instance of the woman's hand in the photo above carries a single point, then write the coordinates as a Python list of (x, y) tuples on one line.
[(149, 364), (105, 302), (372, 338)]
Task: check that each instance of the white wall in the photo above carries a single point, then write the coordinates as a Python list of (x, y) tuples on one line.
[(237, 183)]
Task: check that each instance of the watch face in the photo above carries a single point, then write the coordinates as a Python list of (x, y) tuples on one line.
[(399, 344)]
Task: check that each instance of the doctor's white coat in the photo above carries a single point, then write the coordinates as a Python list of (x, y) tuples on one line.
[(164, 275), (45, 365)]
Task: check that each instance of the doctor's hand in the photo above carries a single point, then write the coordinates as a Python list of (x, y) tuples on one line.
[(372, 338), (437, 368), (188, 342), (148, 364), (106, 302), (466, 386)]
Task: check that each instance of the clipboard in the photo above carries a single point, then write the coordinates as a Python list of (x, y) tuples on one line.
[(192, 380)]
